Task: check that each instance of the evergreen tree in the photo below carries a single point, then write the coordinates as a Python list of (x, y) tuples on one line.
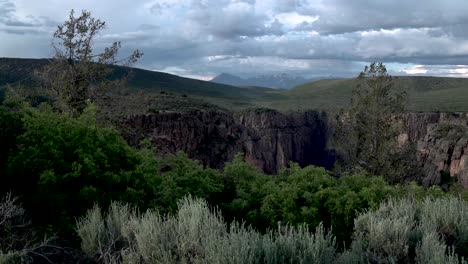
[(367, 134), (77, 73)]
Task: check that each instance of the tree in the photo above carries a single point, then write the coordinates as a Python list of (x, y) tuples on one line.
[(77, 73), (367, 134)]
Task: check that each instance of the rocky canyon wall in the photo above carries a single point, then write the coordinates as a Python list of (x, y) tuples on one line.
[(267, 139), (441, 141), (270, 139)]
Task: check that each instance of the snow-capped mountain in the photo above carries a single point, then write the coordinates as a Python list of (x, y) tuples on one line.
[(283, 80)]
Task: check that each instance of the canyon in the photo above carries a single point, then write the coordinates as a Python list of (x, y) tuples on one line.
[(269, 139)]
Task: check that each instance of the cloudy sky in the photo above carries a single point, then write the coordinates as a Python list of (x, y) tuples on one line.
[(202, 38)]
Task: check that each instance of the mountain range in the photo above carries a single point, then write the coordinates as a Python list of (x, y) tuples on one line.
[(282, 80)]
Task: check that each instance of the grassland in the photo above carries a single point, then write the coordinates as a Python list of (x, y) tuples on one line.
[(154, 91), (425, 94)]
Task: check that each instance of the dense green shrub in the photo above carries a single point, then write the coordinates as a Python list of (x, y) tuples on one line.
[(61, 166), (248, 189), (69, 164), (310, 196), (181, 176), (195, 234)]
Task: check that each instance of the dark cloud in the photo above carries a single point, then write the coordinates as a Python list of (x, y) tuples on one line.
[(6, 8), (231, 20), (11, 24), (341, 16), (17, 23), (286, 6), (21, 31), (205, 37)]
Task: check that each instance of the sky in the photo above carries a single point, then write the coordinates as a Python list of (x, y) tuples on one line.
[(309, 38)]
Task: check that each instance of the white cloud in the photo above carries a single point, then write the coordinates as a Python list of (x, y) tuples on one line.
[(460, 71), (293, 19), (416, 69), (205, 37)]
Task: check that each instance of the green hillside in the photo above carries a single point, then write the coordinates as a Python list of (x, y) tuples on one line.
[(153, 91), (424, 94), (16, 72)]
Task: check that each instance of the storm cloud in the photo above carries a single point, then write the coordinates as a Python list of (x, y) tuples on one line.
[(202, 38)]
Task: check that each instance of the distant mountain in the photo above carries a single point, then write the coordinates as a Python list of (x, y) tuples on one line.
[(283, 80), (16, 71), (229, 79)]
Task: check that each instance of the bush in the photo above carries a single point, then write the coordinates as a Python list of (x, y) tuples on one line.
[(12, 258), (407, 231), (69, 164), (61, 166), (195, 234), (15, 232)]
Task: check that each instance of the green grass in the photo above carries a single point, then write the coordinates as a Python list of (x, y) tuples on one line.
[(16, 72), (425, 94)]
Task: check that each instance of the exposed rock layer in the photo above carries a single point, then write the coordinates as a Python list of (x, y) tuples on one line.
[(269, 139), (442, 145)]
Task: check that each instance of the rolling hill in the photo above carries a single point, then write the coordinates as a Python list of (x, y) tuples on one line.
[(425, 94), (153, 91), (14, 71)]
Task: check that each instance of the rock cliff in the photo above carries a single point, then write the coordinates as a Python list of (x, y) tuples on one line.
[(441, 140), (270, 139)]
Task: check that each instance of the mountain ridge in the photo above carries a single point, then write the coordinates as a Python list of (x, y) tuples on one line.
[(281, 80)]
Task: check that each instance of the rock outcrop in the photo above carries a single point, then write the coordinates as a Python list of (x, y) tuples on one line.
[(442, 145), (268, 139)]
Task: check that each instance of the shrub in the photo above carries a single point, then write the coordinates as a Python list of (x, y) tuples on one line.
[(408, 231), (195, 234), (15, 232), (11, 258), (69, 164)]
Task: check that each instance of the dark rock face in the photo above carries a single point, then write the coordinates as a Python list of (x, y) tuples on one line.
[(442, 143), (210, 137), (272, 139), (268, 139)]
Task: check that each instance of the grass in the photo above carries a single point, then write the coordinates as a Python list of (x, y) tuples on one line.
[(425, 94)]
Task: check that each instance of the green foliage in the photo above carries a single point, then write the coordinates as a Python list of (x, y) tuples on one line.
[(309, 196), (366, 134), (77, 73), (11, 124), (69, 164), (248, 188), (182, 176), (61, 166), (195, 234)]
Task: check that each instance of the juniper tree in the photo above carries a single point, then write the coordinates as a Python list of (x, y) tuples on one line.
[(367, 134), (77, 72)]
